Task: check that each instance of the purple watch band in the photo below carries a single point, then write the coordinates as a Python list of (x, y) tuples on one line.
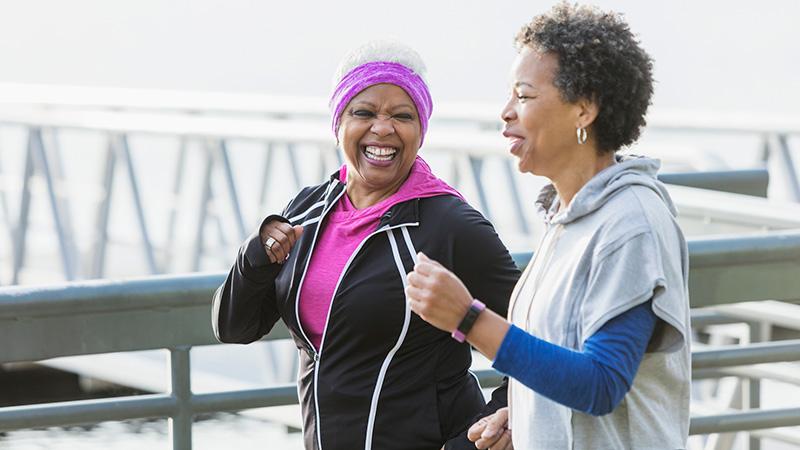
[(460, 333), (459, 336)]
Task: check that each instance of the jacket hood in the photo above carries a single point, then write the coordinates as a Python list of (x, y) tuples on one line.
[(421, 183), (630, 170)]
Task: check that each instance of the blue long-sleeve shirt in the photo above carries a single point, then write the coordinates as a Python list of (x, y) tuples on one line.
[(593, 381)]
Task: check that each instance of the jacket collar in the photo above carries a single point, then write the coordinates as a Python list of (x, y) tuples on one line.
[(402, 213)]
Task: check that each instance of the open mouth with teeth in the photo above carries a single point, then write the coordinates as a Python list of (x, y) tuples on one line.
[(380, 154)]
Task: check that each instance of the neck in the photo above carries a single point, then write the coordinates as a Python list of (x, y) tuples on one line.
[(571, 181), (363, 197)]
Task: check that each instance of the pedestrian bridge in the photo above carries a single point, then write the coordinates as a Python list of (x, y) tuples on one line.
[(752, 280)]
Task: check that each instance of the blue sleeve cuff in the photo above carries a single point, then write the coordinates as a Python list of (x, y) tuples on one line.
[(512, 343)]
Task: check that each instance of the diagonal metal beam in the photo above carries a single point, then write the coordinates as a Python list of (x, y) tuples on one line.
[(125, 152)]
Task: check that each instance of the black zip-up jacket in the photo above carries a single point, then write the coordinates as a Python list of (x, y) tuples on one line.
[(383, 378)]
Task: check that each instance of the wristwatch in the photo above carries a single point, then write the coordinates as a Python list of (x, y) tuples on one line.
[(460, 333)]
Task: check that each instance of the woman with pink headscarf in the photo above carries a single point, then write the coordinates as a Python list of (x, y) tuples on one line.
[(333, 267)]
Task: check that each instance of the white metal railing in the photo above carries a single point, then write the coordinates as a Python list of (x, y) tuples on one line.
[(173, 312)]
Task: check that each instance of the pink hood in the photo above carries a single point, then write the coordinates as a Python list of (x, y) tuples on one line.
[(421, 183)]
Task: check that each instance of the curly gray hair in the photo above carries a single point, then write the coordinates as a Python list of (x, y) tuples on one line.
[(599, 59)]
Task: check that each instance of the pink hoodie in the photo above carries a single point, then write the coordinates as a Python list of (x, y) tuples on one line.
[(344, 229)]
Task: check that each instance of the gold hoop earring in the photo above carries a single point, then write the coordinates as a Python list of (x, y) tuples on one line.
[(582, 135)]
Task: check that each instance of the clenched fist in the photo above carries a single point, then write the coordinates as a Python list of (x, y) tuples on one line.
[(278, 239), (436, 294)]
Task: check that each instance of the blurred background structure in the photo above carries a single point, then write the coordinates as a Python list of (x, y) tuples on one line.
[(149, 138)]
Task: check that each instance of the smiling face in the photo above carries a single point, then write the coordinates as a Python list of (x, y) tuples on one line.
[(540, 125), (380, 135)]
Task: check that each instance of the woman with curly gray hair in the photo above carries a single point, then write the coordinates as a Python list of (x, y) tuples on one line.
[(597, 336)]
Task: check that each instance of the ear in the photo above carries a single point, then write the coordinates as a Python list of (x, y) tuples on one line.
[(587, 112)]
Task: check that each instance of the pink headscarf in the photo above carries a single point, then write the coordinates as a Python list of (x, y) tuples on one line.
[(378, 72)]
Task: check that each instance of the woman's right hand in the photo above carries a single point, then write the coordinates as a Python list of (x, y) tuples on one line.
[(278, 238), (492, 432)]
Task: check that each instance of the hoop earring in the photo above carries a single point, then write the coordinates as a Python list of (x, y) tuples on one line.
[(582, 135)]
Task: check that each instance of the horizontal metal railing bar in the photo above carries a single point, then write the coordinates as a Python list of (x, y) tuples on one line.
[(780, 314), (109, 315), (732, 250), (245, 399), (789, 375), (140, 407), (161, 405), (745, 420), (98, 296), (167, 291), (300, 129), (473, 142), (87, 411), (747, 181), (727, 270), (752, 214), (704, 317), (742, 355), (266, 104)]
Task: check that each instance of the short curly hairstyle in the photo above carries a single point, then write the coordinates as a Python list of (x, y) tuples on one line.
[(600, 59)]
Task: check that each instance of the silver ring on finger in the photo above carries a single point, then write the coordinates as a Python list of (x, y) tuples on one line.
[(269, 243)]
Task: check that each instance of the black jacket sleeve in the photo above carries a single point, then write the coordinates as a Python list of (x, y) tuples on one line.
[(244, 307), (482, 262), (499, 400), (485, 266)]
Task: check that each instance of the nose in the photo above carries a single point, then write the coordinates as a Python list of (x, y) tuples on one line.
[(382, 125), (509, 113)]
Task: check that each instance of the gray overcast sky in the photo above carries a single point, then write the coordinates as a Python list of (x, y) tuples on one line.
[(736, 55)]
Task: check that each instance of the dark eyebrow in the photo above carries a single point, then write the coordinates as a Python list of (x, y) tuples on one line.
[(404, 105), (364, 102), (373, 106)]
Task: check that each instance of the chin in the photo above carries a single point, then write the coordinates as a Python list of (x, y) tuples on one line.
[(526, 167)]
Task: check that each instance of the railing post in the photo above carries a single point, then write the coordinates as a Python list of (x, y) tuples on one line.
[(788, 165), (751, 396), (180, 424), (516, 200), (476, 164)]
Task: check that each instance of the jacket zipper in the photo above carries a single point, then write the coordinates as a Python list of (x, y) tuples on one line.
[(373, 408), (305, 269), (317, 354)]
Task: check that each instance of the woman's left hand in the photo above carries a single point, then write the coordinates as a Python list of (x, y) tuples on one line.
[(492, 432), (436, 294)]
